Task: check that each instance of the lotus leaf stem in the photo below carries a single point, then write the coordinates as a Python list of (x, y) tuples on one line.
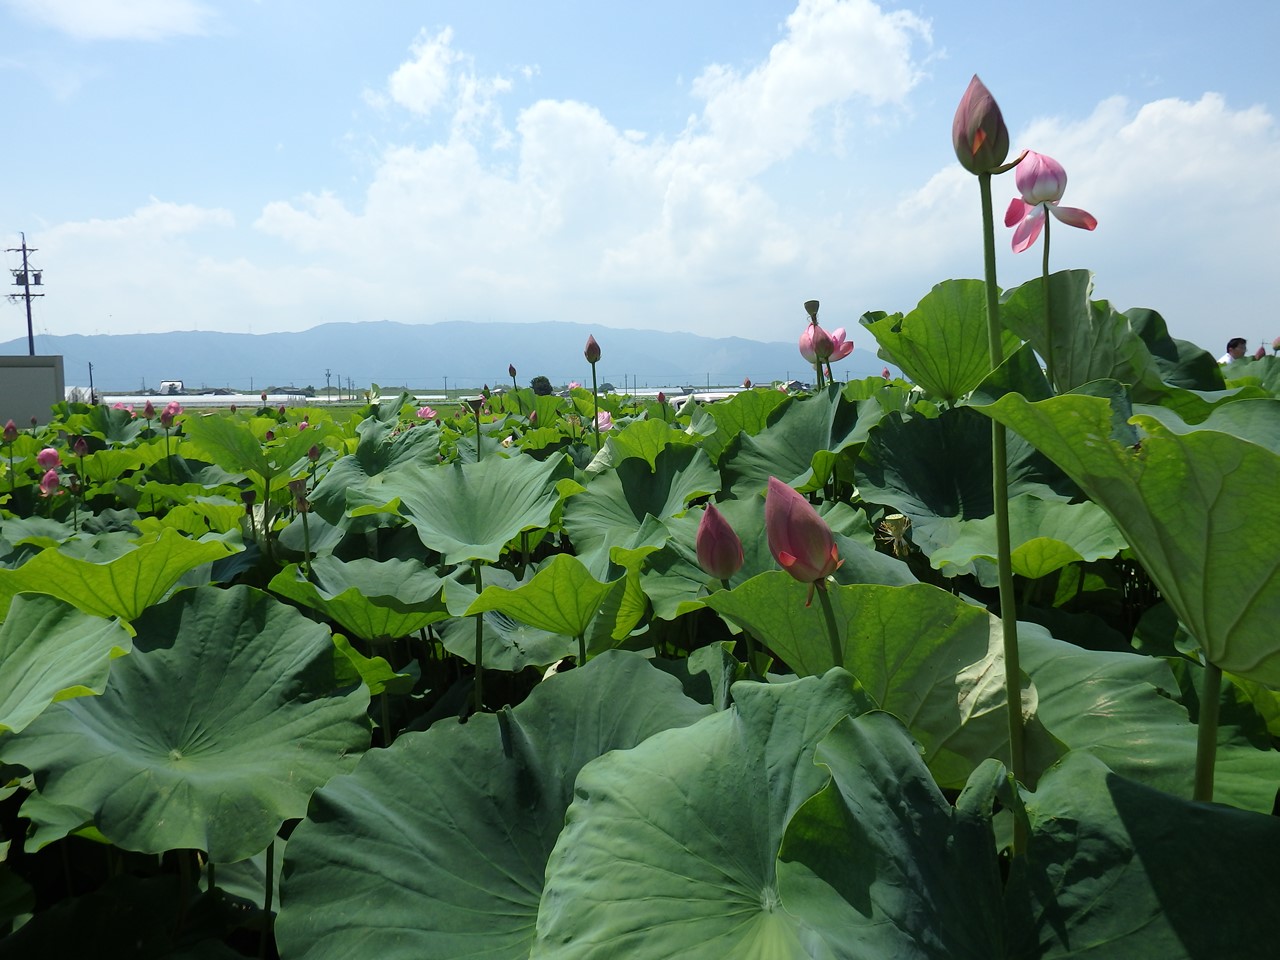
[(833, 632), (1207, 732)]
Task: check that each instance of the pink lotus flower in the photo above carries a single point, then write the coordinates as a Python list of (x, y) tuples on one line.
[(173, 408), (592, 350), (978, 133), (799, 539), (1275, 348), (426, 413), (166, 418), (81, 447), (48, 459), (118, 405), (886, 374), (50, 483), (1041, 181), (1260, 352), (10, 432), (269, 436), (841, 347), (604, 420), (719, 548), (302, 425), (574, 384), (149, 411), (815, 344)]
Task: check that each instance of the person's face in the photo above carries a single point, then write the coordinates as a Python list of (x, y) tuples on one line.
[(1237, 351)]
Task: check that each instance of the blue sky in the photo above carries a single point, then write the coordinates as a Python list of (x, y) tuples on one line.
[(263, 165)]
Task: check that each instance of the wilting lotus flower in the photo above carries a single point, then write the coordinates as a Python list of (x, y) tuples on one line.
[(815, 344), (604, 421), (10, 432), (50, 483), (592, 350), (1041, 181), (841, 347), (426, 413), (48, 459), (978, 133), (719, 549), (799, 539)]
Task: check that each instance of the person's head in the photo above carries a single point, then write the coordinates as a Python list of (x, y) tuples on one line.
[(1235, 347)]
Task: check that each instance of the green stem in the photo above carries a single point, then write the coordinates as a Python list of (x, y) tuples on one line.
[(524, 551), (1207, 732), (595, 403), (211, 876), (582, 649), (1048, 322), (479, 445), (479, 691), (306, 546), (268, 893), (833, 632), (1000, 494), (750, 638)]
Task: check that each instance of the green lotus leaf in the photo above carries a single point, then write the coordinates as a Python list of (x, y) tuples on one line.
[(352, 666), (562, 597), (230, 443), (879, 864), (798, 447), (122, 586), (1045, 535), (942, 344), (937, 470), (645, 439), (747, 412), (617, 504), (471, 511), (1191, 504), (241, 723), (506, 643), (1118, 869), (51, 651), (356, 479), (669, 849), (372, 599), (437, 846)]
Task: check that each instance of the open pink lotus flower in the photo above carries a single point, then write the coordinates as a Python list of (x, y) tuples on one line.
[(426, 413), (1041, 181), (50, 483), (604, 420), (841, 346), (816, 344)]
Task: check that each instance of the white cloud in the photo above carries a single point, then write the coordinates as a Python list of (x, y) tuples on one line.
[(118, 19), (422, 84)]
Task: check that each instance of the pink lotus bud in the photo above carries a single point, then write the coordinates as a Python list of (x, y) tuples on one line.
[(247, 497), (533, 418), (662, 397), (313, 453), (978, 133), (592, 351), (815, 344), (604, 420), (233, 408), (149, 411), (746, 383), (299, 490), (34, 421), (280, 410), (719, 549), (886, 374), (269, 435), (166, 418), (799, 539), (263, 395), (1275, 348), (50, 483), (10, 432), (841, 347), (1260, 352), (303, 425), (81, 447), (118, 405), (48, 459), (511, 370)]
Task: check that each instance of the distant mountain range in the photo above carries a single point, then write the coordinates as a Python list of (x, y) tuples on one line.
[(423, 356)]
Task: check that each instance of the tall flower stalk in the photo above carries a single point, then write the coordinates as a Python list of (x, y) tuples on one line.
[(592, 353), (981, 142)]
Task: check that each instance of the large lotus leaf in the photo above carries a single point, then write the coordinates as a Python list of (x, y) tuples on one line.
[(645, 439), (209, 735), (51, 651), (1180, 362), (747, 412), (437, 846), (1117, 869), (123, 586), (943, 343), (471, 511), (356, 480), (1044, 536), (799, 446), (373, 599), (1191, 504), (616, 504), (937, 469), (881, 865), (506, 643), (228, 442), (669, 849), (562, 597)]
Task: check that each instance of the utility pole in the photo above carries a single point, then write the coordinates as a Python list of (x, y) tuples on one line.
[(326, 384), (93, 396), (26, 278)]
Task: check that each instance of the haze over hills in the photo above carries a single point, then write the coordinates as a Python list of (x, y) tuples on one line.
[(422, 356)]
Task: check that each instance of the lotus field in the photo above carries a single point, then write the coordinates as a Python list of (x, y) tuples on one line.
[(978, 662)]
